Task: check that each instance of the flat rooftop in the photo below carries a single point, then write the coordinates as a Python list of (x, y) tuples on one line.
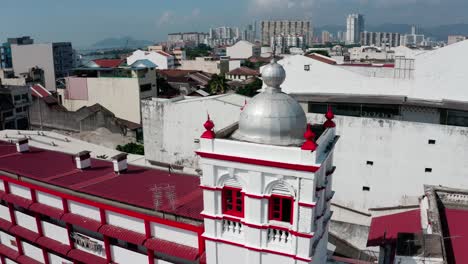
[(135, 187)]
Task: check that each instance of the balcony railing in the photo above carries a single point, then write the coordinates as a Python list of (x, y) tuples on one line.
[(279, 237), (232, 227)]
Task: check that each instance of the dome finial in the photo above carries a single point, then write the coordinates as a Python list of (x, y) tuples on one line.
[(273, 75), (309, 136), (329, 116), (209, 125)]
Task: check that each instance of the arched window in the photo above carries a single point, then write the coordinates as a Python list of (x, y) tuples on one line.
[(233, 201), (281, 208)]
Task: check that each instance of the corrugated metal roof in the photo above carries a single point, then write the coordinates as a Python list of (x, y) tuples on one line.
[(123, 234), (53, 245), (86, 257), (172, 249), (82, 221)]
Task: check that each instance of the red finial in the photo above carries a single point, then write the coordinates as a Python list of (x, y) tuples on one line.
[(245, 104), (309, 144), (329, 116), (209, 133)]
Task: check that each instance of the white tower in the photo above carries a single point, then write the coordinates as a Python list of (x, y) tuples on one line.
[(267, 188), (354, 27)]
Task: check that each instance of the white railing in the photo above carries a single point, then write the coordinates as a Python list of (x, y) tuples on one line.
[(232, 227), (279, 237)]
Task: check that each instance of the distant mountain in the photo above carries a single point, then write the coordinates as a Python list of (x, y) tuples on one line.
[(436, 32), (123, 42)]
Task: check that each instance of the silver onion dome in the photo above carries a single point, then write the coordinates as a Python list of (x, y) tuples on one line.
[(272, 117)]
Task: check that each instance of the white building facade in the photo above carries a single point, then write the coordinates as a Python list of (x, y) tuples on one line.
[(354, 27), (243, 50), (162, 59)]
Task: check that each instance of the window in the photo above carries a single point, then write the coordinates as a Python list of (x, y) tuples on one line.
[(428, 170), (366, 188), (369, 162), (281, 208), (145, 87), (233, 202), (431, 141)]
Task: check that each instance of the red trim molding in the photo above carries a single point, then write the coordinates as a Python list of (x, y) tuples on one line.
[(258, 249), (309, 205), (209, 188), (267, 163)]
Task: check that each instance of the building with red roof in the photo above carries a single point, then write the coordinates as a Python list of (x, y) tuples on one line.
[(435, 233)]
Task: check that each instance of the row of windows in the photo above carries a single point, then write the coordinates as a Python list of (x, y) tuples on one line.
[(280, 208)]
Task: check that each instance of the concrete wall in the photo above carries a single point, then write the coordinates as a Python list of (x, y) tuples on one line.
[(26, 57), (200, 65), (171, 127), (378, 72), (400, 154), (240, 50)]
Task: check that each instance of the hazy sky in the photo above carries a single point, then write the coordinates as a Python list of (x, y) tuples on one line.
[(86, 21)]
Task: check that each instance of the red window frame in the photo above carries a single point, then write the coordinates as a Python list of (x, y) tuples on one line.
[(233, 201), (278, 208)]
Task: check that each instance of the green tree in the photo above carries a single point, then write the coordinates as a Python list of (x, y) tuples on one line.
[(132, 148), (251, 88), (201, 50), (217, 84)]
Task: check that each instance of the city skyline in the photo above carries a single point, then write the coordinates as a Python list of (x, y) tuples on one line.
[(86, 22)]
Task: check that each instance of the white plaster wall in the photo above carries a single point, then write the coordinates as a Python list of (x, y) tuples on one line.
[(180, 236), (55, 232), (26, 221), (160, 261), (9, 261), (200, 65), (121, 255), (54, 259), (378, 72), (418, 260), (228, 254), (49, 199), (240, 50), (161, 61), (84, 210), (400, 152), (343, 215), (5, 240), (5, 213), (130, 223), (20, 191), (33, 252), (170, 127), (268, 258)]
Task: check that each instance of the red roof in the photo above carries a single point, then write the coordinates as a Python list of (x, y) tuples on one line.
[(457, 223), (27, 260), (86, 257), (46, 210), (244, 71), (39, 91), (172, 249), (385, 229), (123, 234), (164, 53), (8, 252), (100, 180), (24, 233), (322, 58), (82, 221), (108, 63), (53, 245)]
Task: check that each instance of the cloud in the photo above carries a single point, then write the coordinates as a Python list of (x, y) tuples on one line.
[(166, 18)]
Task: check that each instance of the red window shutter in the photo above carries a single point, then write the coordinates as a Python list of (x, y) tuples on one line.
[(233, 202), (281, 208)]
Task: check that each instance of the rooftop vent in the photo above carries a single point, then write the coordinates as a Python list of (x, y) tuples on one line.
[(22, 145), (120, 163), (83, 160)]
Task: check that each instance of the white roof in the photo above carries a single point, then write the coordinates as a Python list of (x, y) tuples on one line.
[(439, 75)]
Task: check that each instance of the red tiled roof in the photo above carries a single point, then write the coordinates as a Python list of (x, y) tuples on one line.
[(322, 58), (5, 225), (457, 223), (172, 249), (164, 53), (18, 200), (244, 71), (46, 210), (39, 91), (53, 245), (8, 252), (123, 234), (86, 257), (96, 180), (108, 63), (27, 260), (82, 221), (385, 229), (24, 233)]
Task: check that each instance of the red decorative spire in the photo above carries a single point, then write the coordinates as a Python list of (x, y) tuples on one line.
[(245, 104), (309, 136), (209, 133), (329, 116)]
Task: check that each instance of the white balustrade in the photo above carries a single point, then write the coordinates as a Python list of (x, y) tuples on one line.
[(232, 227), (279, 237)]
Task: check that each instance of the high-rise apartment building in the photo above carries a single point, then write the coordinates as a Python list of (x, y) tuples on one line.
[(380, 39), (325, 37), (221, 36), (271, 29), (5, 50), (55, 59), (354, 27), (190, 39)]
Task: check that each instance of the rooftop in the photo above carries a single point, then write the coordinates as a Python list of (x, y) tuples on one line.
[(100, 181), (244, 71)]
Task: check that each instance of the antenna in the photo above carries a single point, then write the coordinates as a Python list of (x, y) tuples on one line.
[(157, 196), (171, 196)]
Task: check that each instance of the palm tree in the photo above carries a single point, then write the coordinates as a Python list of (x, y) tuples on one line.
[(217, 84)]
